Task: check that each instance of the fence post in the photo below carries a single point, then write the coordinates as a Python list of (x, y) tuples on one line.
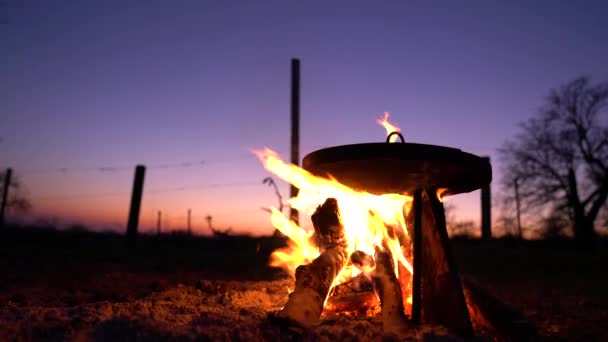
[(295, 127), (486, 211), (189, 226), (138, 187), (7, 183), (158, 223)]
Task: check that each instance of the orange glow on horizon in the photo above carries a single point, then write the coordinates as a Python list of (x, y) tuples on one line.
[(80, 198)]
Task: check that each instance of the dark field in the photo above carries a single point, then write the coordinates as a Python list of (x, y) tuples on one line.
[(89, 286), (562, 290)]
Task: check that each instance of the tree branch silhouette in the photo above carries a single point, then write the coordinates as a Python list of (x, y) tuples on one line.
[(560, 157)]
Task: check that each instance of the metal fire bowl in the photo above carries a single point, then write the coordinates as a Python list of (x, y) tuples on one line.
[(382, 168)]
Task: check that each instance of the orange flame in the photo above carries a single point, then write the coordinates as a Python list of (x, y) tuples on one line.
[(390, 128), (370, 221), (366, 217), (440, 193)]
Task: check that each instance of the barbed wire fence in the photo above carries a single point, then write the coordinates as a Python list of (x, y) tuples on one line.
[(171, 220)]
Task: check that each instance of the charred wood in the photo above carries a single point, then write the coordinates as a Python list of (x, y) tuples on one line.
[(362, 261), (313, 281), (329, 231), (355, 296), (388, 290)]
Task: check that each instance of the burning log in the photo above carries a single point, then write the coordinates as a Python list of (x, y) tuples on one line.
[(362, 261), (313, 281), (388, 289), (329, 231), (354, 297)]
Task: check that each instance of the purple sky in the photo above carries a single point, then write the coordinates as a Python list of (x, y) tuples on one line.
[(88, 84)]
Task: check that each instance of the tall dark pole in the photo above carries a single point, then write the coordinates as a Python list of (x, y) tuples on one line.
[(189, 226), (138, 187), (486, 211), (158, 217), (7, 183), (295, 128), (516, 183)]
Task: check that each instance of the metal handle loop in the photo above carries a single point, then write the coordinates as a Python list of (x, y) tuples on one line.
[(388, 138)]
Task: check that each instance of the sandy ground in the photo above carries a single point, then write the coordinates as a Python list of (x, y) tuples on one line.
[(210, 310), (81, 287)]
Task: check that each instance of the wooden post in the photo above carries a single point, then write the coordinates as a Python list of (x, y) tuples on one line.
[(138, 187), (158, 218), (517, 205), (443, 300), (7, 183), (295, 128), (189, 226), (486, 211), (437, 296), (209, 223)]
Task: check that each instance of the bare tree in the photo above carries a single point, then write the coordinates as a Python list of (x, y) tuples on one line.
[(17, 198), (509, 220), (560, 157)]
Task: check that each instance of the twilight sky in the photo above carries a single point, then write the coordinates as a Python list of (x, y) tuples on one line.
[(188, 87)]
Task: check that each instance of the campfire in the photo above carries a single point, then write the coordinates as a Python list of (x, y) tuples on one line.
[(379, 243)]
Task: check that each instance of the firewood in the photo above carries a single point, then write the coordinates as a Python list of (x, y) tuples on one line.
[(329, 230), (313, 281), (356, 295), (388, 289), (353, 297), (437, 296), (362, 261), (364, 302)]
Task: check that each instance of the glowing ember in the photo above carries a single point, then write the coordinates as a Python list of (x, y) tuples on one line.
[(370, 221)]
